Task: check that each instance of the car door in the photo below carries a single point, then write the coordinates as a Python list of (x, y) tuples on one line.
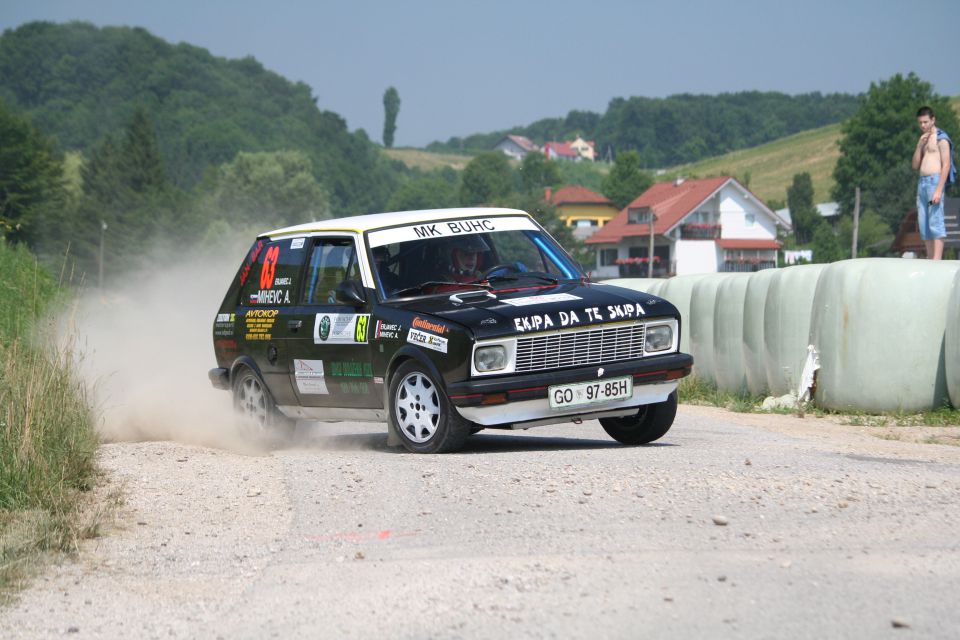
[(332, 365)]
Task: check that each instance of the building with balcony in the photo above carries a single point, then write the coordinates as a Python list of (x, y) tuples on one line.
[(696, 226)]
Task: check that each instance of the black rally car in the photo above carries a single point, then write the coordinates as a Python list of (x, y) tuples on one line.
[(441, 323)]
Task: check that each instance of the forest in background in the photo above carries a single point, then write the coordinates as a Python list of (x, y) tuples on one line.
[(681, 128)]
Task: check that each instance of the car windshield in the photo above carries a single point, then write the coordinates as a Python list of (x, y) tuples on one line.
[(464, 255)]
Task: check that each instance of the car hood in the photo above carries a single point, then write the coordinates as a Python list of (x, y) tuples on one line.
[(527, 310)]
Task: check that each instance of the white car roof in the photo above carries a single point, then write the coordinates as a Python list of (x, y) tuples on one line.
[(369, 222)]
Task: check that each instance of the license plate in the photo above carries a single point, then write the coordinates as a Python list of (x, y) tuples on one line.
[(580, 393)]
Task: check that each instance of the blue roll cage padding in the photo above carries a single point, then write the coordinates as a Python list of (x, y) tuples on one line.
[(546, 248)]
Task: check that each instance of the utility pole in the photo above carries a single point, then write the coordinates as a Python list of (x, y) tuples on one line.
[(103, 232), (653, 219), (856, 221)]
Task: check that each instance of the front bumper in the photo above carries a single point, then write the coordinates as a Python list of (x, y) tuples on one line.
[(516, 399)]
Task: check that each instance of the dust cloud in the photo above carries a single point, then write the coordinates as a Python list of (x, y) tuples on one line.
[(146, 344)]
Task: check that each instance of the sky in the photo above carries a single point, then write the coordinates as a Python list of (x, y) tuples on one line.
[(469, 67)]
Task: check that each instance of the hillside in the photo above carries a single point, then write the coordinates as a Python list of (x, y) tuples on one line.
[(772, 166), (78, 83), (681, 128)]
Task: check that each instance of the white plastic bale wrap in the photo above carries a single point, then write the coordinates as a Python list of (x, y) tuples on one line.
[(951, 343), (879, 325), (754, 358), (703, 301), (677, 291), (728, 320), (647, 285), (786, 325)]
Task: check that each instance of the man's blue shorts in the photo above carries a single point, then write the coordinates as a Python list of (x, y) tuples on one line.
[(930, 216)]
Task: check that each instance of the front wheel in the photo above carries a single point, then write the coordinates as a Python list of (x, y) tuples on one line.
[(421, 413), (647, 425)]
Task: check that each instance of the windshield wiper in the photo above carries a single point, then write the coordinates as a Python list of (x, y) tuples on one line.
[(417, 288)]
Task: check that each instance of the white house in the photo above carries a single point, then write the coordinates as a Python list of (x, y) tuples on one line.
[(516, 146), (699, 226)]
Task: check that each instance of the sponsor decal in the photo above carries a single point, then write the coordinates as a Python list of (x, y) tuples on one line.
[(608, 313), (354, 388), (309, 377), (254, 253), (225, 344), (377, 380), (341, 328), (428, 340), (224, 317), (282, 281), (258, 323), (351, 369), (450, 228), (224, 325), (386, 331), (544, 299), (269, 267), (270, 296), (296, 243), (360, 335), (489, 321), (436, 327)]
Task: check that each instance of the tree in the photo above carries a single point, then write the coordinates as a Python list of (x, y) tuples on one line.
[(626, 181), (878, 141), (803, 213), (31, 177), (485, 178), (269, 188), (827, 246), (538, 172), (873, 235), (424, 193), (391, 107)]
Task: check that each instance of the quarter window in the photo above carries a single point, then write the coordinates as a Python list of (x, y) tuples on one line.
[(271, 275)]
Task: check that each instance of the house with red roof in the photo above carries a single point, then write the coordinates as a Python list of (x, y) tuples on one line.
[(516, 146), (560, 151), (698, 226), (584, 210)]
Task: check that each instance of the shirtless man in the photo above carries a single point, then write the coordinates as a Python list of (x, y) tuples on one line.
[(932, 159)]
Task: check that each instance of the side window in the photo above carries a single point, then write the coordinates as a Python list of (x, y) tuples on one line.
[(272, 274), (332, 261)]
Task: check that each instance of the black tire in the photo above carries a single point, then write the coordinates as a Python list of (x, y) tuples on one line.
[(259, 418), (421, 414), (649, 424)]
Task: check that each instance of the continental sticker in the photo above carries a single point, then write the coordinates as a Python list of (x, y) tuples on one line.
[(341, 328), (544, 299), (309, 376), (428, 340)]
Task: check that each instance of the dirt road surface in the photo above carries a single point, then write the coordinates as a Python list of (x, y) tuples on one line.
[(731, 526)]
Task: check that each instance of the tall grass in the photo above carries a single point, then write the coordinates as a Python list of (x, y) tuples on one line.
[(47, 439)]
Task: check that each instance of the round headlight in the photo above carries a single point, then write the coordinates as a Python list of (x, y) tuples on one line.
[(492, 358), (659, 338)]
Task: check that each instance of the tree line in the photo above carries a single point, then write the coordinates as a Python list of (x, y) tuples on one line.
[(681, 128)]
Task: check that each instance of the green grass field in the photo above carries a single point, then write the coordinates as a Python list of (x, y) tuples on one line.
[(47, 439), (427, 160)]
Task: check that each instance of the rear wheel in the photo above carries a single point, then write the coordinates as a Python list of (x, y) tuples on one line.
[(259, 417), (421, 413), (647, 425)]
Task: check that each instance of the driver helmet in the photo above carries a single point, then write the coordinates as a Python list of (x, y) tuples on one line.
[(461, 248)]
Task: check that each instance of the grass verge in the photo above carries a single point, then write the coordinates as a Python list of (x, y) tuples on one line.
[(693, 390), (47, 437)]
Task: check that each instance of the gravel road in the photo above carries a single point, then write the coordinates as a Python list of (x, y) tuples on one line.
[(733, 525)]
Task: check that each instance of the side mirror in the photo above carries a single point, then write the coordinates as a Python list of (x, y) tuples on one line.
[(351, 292)]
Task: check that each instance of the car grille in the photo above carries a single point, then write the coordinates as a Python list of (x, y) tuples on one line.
[(577, 348)]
